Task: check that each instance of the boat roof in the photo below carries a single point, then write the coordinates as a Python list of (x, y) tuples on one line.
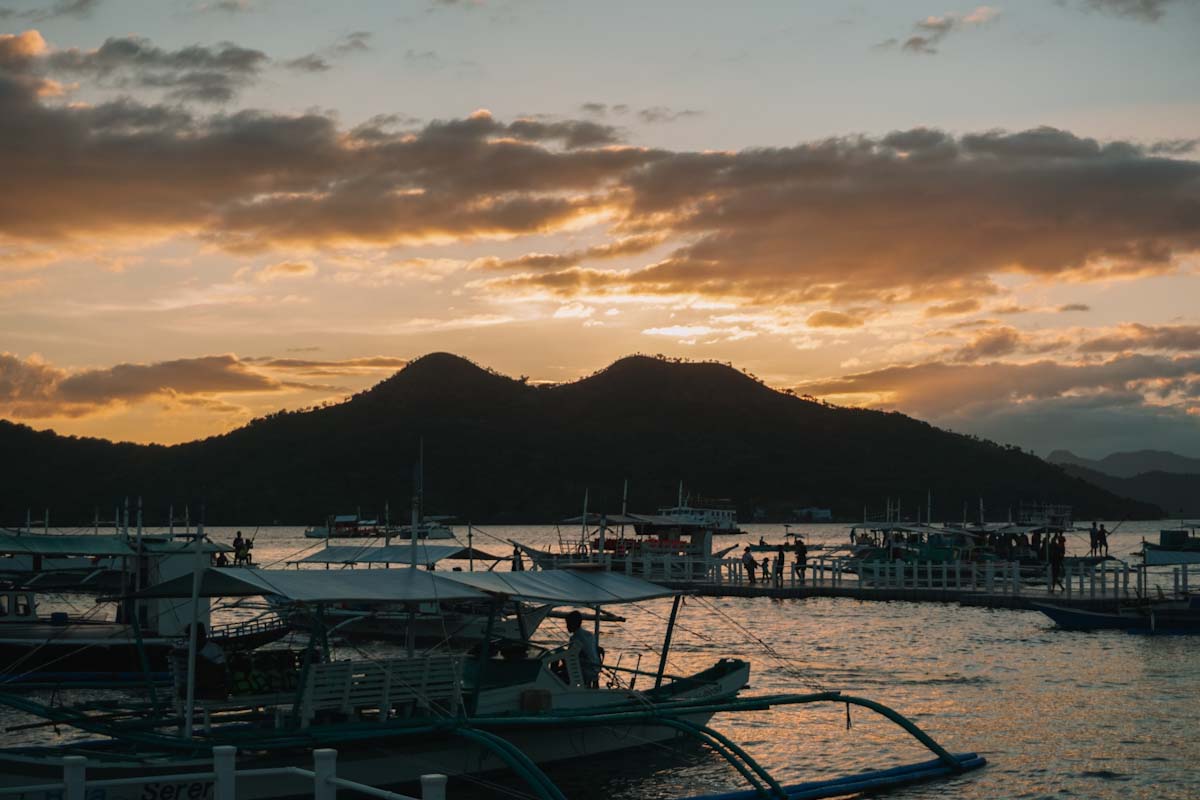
[(393, 554), (318, 586), (565, 586), (45, 544), (559, 587)]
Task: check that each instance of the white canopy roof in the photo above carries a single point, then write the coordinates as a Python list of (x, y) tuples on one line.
[(323, 586), (564, 586), (391, 554)]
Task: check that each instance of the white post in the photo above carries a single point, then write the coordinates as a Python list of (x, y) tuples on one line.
[(1103, 578), (1175, 577), (325, 767), (974, 576), (1092, 584), (928, 573), (190, 710), (74, 776), (433, 787), (224, 765), (1183, 571)]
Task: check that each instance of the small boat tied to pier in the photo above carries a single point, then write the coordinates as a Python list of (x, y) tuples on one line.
[(511, 706)]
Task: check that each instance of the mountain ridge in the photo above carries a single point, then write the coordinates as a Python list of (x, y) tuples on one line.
[(502, 449), (1131, 463)]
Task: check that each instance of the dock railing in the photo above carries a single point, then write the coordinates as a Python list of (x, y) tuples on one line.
[(224, 776)]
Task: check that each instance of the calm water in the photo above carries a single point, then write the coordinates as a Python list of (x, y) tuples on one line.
[(1056, 713)]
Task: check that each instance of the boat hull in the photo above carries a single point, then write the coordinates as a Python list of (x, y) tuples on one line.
[(1173, 618), (1156, 556)]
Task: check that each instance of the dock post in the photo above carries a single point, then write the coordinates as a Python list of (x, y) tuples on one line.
[(899, 583), (1183, 572), (74, 776), (324, 768), (990, 579), (945, 574), (1016, 583), (957, 574), (224, 765), (433, 787), (974, 576), (1125, 581), (1175, 581), (1092, 585), (929, 574)]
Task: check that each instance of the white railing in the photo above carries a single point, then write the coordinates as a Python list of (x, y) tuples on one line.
[(224, 777)]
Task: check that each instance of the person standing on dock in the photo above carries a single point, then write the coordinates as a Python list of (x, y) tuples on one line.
[(778, 573), (1058, 552), (1102, 541), (749, 563), (801, 563), (1094, 536)]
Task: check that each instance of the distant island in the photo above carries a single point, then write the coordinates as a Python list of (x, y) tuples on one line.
[(498, 449), (1168, 480)]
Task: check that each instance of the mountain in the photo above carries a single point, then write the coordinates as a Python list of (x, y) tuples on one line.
[(498, 449), (1131, 464)]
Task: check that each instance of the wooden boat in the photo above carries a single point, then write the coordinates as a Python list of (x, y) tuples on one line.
[(396, 718), (1178, 616), (1175, 546)]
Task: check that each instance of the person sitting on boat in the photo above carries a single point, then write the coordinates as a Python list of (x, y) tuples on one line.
[(220, 559), (589, 656), (762, 542)]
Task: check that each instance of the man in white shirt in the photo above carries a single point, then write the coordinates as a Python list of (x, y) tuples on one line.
[(589, 656)]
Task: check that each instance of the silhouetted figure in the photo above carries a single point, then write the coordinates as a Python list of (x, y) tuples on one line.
[(801, 563), (1102, 541), (749, 563)]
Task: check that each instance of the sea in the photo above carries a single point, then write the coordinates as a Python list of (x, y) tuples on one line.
[(1057, 714)]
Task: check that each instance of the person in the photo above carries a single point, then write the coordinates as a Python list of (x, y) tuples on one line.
[(1058, 552), (762, 542), (589, 656), (778, 574), (1094, 537), (1102, 541), (801, 563), (853, 536), (749, 563), (221, 560), (241, 553), (518, 563)]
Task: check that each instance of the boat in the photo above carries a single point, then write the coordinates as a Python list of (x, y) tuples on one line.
[(1175, 546), (1169, 616), (347, 526), (397, 718)]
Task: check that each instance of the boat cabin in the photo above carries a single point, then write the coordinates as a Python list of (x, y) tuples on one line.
[(17, 606)]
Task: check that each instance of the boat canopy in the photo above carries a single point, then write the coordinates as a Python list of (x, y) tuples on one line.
[(393, 554), (564, 586), (44, 544), (318, 586)]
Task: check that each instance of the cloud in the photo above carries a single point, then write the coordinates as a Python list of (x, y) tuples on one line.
[(30, 388), (661, 114), (326, 367), (64, 8), (965, 306), (319, 61), (547, 261), (204, 74), (931, 31), (1135, 336), (936, 389), (991, 343), (286, 270), (1141, 10), (1074, 307), (832, 319), (916, 215)]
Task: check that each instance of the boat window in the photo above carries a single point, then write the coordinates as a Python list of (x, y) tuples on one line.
[(21, 605), (3, 605)]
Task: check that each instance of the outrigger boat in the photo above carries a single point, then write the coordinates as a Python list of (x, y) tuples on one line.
[(397, 718), (1175, 546), (1168, 616)]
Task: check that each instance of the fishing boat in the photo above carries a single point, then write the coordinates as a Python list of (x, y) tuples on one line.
[(1175, 546), (396, 718), (1169, 616)]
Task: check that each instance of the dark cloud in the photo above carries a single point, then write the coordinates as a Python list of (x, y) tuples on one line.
[(309, 63), (1074, 307), (1143, 10), (32, 389), (661, 114), (346, 366), (63, 8), (1135, 336), (991, 343), (204, 74)]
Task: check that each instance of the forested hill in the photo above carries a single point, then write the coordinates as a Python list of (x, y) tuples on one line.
[(499, 449)]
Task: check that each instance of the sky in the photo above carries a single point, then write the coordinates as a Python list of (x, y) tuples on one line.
[(984, 216)]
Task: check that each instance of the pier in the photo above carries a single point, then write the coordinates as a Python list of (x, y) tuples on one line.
[(988, 584)]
